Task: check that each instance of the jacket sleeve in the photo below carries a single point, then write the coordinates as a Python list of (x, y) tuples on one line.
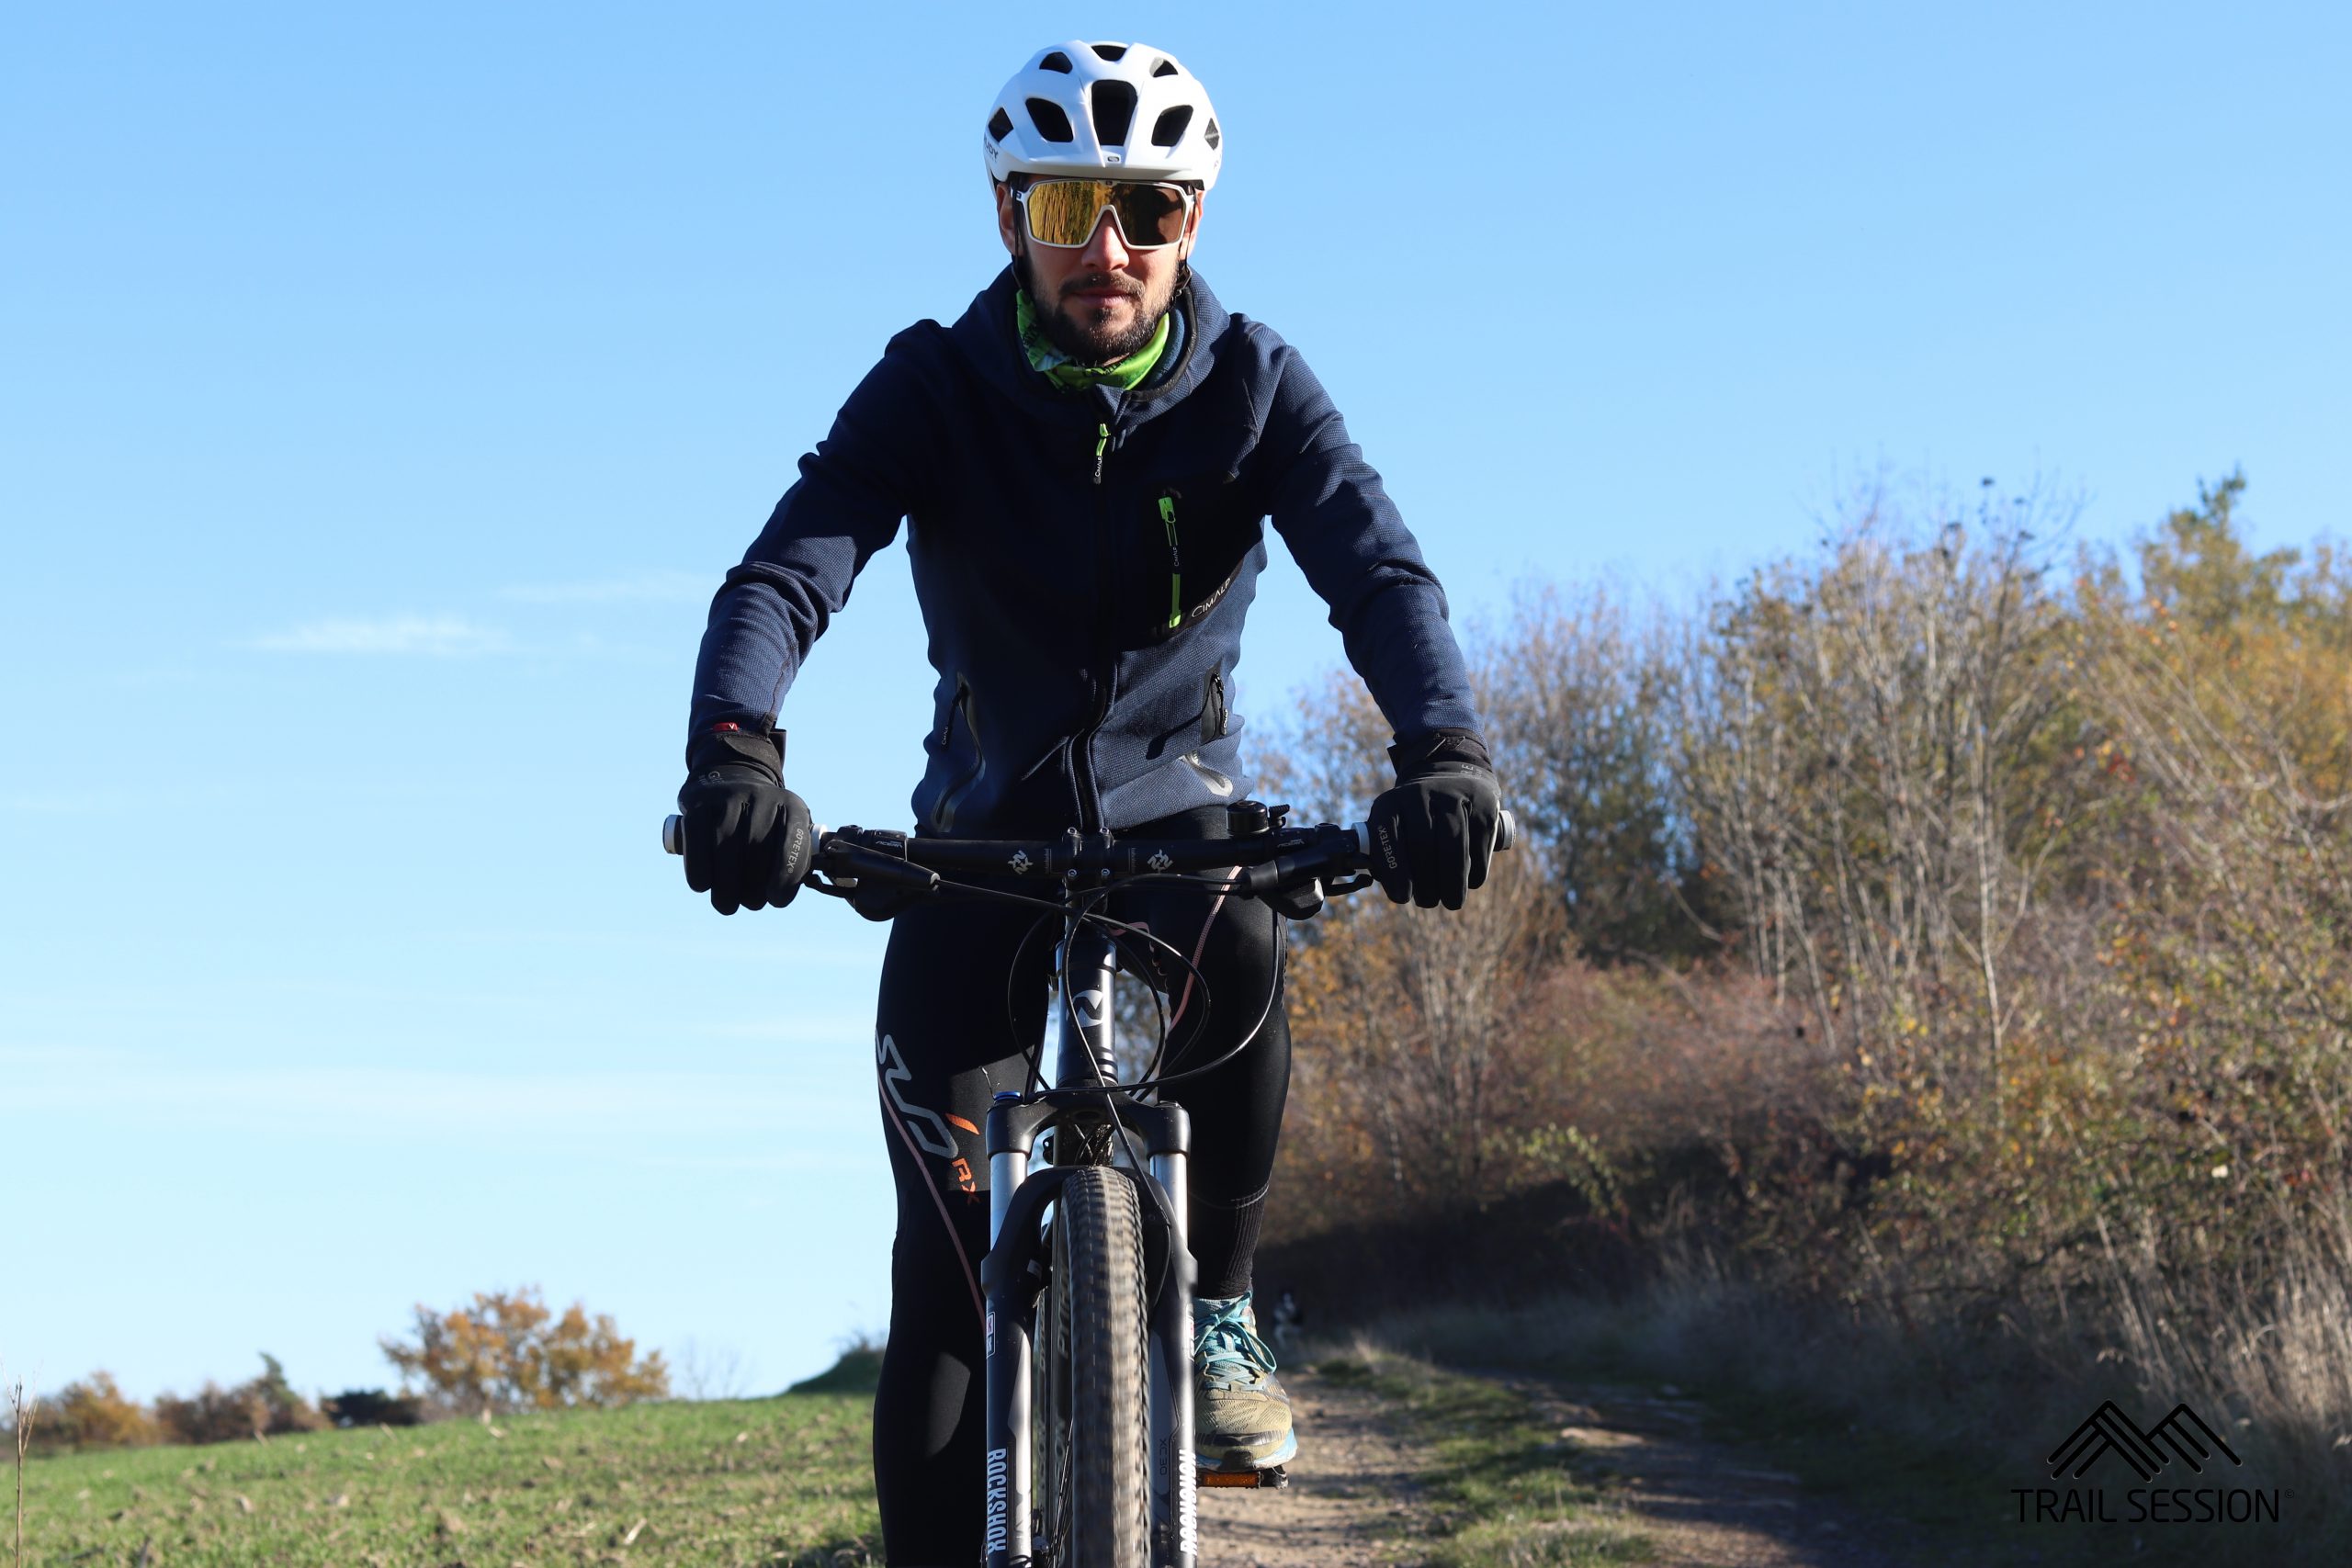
[(853, 490), (1333, 513)]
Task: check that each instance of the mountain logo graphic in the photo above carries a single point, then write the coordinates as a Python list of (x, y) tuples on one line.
[(2181, 1436)]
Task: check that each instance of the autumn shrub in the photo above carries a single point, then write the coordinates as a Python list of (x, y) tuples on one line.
[(1951, 938), (1406, 1014), (1696, 1090), (212, 1415), (263, 1406), (507, 1351), (95, 1414)]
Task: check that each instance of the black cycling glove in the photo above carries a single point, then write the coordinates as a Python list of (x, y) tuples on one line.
[(748, 839), (1433, 834)]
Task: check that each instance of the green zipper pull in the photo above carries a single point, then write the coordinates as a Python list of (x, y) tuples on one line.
[(1175, 564), (1102, 440)]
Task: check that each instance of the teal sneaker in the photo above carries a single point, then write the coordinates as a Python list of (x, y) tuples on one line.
[(1242, 1417)]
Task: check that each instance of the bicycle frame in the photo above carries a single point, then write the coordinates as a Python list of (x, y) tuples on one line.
[(1283, 866), (1019, 1196)]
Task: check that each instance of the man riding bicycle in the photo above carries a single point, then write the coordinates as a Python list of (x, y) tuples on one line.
[(1085, 461)]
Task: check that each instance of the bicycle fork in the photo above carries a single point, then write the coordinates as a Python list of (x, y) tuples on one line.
[(1017, 1262)]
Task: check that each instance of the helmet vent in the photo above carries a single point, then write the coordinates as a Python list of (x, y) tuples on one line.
[(1000, 125), (1051, 123), (1164, 68), (1056, 60), (1169, 128), (1115, 110), (1213, 136), (1110, 51)]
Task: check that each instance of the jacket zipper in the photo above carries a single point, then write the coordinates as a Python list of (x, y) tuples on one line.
[(1089, 815), (944, 812), (1175, 562), (955, 710)]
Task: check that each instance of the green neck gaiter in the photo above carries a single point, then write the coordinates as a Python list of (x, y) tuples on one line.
[(1065, 373)]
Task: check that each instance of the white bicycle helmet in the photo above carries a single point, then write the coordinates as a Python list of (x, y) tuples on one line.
[(1125, 110)]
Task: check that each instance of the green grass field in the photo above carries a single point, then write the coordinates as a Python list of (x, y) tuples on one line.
[(783, 1481)]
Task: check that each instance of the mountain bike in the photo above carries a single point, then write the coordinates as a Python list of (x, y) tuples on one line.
[(1088, 1281)]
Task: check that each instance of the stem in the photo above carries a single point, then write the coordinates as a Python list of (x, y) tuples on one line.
[(22, 1408)]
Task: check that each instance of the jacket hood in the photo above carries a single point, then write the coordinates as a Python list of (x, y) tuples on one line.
[(987, 337)]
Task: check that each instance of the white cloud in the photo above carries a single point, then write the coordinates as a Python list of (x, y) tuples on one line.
[(649, 587), (439, 637)]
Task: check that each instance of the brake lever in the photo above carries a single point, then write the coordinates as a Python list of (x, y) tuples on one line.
[(1302, 902), (1289, 885), (1267, 881), (873, 866)]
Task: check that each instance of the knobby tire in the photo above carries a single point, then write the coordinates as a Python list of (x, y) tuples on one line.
[(1092, 1402)]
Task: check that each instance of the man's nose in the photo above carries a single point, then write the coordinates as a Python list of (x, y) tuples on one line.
[(1104, 248)]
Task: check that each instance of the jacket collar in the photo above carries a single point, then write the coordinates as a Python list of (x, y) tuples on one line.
[(987, 337)]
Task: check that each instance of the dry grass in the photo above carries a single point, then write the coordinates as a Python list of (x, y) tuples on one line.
[(2274, 1351), (1927, 1418)]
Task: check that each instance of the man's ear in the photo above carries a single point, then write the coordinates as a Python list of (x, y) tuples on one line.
[(1008, 214), (1193, 226)]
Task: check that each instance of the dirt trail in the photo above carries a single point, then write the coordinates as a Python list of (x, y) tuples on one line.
[(1702, 1506), (1351, 1489), (1353, 1501)]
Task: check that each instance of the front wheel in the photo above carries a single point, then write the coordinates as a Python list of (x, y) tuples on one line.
[(1093, 1422)]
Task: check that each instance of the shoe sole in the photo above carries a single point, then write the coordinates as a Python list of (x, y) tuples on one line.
[(1284, 1455)]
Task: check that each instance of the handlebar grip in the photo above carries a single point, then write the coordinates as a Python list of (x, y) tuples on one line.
[(674, 834), (1506, 832)]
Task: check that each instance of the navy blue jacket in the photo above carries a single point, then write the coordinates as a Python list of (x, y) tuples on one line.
[(1084, 561)]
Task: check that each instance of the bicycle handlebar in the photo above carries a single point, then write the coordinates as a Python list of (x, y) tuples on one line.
[(1272, 862)]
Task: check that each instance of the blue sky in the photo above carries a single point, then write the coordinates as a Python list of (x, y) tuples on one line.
[(382, 392)]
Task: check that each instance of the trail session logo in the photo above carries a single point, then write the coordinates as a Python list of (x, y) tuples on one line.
[(2182, 1435), (2180, 1447)]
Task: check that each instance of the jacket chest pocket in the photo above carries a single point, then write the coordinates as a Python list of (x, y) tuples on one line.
[(1196, 537)]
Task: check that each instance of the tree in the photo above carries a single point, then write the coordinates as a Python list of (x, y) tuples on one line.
[(508, 1352), (96, 1414), (1576, 699), (1873, 749)]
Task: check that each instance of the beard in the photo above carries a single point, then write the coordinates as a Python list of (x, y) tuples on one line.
[(1082, 332)]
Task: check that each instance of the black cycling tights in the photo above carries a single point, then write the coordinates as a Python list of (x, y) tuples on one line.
[(943, 1047)]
